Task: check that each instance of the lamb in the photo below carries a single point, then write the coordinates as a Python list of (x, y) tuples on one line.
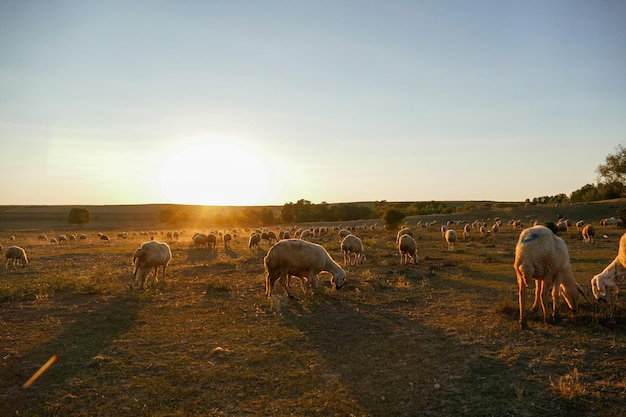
[(301, 259), (352, 244), (450, 236), (588, 232), (604, 285), (408, 250), (148, 258), (16, 255), (543, 256)]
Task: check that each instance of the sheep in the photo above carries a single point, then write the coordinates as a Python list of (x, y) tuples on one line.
[(227, 238), (450, 236), (200, 240), (104, 238), (301, 259), (211, 241), (408, 250), (352, 244), (604, 285), (148, 258), (443, 229), (16, 255), (343, 233), (543, 256), (254, 241), (588, 232), (42, 237), (466, 231)]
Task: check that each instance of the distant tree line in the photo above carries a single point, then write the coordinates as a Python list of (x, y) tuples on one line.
[(611, 177), (304, 211)]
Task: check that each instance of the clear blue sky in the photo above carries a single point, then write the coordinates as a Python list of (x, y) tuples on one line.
[(266, 102)]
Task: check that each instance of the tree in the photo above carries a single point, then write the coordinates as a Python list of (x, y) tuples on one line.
[(392, 218), (614, 167), (79, 216)]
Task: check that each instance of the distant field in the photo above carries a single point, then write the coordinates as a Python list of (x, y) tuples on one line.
[(433, 339)]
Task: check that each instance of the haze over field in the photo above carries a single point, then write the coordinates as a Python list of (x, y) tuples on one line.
[(262, 103)]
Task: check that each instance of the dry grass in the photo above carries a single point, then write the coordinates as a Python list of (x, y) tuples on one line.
[(437, 338)]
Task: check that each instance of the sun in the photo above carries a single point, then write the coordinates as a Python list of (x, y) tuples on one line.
[(214, 173)]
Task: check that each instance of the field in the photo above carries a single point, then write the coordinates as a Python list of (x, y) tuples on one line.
[(433, 339)]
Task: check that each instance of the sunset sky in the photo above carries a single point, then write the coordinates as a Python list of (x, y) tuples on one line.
[(267, 102)]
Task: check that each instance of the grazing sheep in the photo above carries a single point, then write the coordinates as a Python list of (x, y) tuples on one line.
[(588, 233), (450, 236), (104, 238), (254, 240), (306, 235), (352, 245), (227, 238), (16, 255), (402, 232), (543, 256), (62, 238), (343, 233), (148, 258), (200, 240), (466, 231), (42, 237), (408, 250), (211, 241), (301, 259), (604, 285)]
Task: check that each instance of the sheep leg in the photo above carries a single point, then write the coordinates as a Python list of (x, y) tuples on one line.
[(284, 282), (556, 291), (538, 290), (542, 298), (521, 283)]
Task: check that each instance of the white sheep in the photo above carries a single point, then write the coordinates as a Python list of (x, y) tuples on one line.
[(450, 236), (408, 250), (402, 232), (16, 255), (352, 245), (604, 285), (148, 258), (543, 256), (588, 233), (301, 259), (466, 231), (343, 233)]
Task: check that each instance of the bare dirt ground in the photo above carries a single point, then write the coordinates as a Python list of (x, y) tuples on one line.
[(437, 338)]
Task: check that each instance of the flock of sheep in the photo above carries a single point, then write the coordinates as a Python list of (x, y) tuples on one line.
[(540, 255)]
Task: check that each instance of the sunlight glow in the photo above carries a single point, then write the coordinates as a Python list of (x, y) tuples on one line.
[(214, 173)]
